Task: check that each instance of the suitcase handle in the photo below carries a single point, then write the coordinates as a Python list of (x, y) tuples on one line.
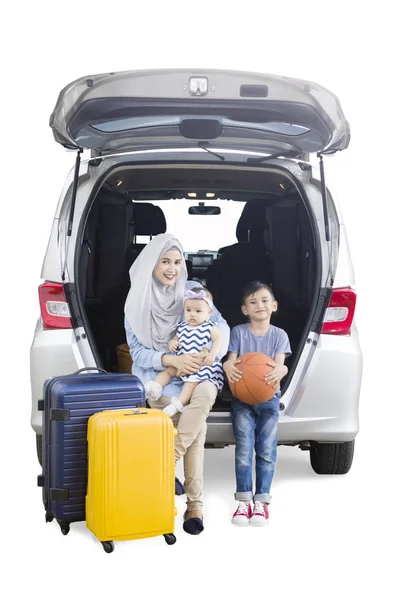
[(90, 369)]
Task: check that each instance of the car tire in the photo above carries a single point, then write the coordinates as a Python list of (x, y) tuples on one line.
[(332, 459), (39, 448)]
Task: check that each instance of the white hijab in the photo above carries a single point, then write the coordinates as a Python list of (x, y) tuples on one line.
[(152, 309)]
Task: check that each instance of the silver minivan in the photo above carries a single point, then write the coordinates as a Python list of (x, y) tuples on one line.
[(232, 163)]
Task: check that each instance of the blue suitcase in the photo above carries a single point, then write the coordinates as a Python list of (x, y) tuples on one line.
[(68, 403)]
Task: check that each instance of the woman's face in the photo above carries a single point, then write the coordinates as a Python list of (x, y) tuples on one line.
[(168, 267)]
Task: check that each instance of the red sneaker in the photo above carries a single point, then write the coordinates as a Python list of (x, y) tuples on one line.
[(242, 514), (260, 514)]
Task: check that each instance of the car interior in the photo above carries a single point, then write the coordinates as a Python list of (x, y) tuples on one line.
[(273, 242)]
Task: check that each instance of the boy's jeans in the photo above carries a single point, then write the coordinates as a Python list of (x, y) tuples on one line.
[(255, 428)]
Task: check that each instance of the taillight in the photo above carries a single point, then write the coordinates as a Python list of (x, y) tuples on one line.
[(53, 306), (340, 312)]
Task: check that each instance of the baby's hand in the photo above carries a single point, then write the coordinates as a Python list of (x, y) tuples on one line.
[(173, 345), (210, 359)]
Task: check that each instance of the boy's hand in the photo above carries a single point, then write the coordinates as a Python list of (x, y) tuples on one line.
[(173, 345), (232, 372), (210, 359), (273, 378)]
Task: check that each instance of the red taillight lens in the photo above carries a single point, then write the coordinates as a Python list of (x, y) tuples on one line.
[(53, 306), (340, 312)]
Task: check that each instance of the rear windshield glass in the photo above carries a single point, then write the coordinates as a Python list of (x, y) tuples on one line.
[(200, 232)]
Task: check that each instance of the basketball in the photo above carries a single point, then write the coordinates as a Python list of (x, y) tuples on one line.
[(252, 388)]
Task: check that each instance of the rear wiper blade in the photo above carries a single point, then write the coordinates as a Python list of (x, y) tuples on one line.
[(260, 159), (204, 144)]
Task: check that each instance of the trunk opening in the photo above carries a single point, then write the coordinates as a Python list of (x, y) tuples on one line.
[(265, 231)]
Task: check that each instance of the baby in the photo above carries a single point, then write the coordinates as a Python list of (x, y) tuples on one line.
[(192, 335)]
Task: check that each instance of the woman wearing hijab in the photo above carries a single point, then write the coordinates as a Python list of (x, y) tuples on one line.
[(153, 308)]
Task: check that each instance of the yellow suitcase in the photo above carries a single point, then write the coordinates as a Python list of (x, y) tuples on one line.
[(131, 475)]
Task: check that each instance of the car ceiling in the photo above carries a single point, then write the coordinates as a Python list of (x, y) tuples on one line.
[(165, 183)]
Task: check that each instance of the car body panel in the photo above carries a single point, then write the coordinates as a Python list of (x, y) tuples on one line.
[(324, 407), (129, 110), (53, 353)]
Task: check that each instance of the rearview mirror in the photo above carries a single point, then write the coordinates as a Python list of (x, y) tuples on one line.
[(204, 210)]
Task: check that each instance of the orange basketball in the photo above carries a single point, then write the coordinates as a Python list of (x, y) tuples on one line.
[(252, 388)]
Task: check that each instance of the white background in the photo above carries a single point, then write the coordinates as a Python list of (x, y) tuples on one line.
[(329, 536)]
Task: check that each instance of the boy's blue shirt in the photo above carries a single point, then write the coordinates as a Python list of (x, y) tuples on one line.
[(275, 341), (147, 362)]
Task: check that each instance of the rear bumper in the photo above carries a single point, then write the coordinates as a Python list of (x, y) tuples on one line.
[(290, 431), (324, 405)]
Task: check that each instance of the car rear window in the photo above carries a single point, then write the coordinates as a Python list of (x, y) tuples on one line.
[(196, 232)]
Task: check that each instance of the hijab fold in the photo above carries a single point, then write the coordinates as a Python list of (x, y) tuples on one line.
[(153, 309)]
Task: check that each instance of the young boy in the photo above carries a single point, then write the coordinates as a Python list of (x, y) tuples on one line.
[(256, 426)]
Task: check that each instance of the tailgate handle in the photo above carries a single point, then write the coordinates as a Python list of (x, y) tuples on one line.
[(254, 91)]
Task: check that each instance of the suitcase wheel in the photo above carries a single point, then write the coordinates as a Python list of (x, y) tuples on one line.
[(108, 547), (64, 526), (170, 538), (49, 517)]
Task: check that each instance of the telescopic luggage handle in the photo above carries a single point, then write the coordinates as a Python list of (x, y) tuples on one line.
[(90, 369)]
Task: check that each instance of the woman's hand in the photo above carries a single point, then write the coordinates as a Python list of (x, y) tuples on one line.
[(232, 372), (188, 364), (273, 378)]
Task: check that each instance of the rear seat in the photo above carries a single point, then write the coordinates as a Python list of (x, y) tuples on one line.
[(147, 219), (144, 220), (241, 263)]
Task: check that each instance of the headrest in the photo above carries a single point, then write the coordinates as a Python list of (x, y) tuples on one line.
[(242, 253), (148, 219), (253, 219)]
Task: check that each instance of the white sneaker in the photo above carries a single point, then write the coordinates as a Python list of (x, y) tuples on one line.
[(153, 390), (242, 514)]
